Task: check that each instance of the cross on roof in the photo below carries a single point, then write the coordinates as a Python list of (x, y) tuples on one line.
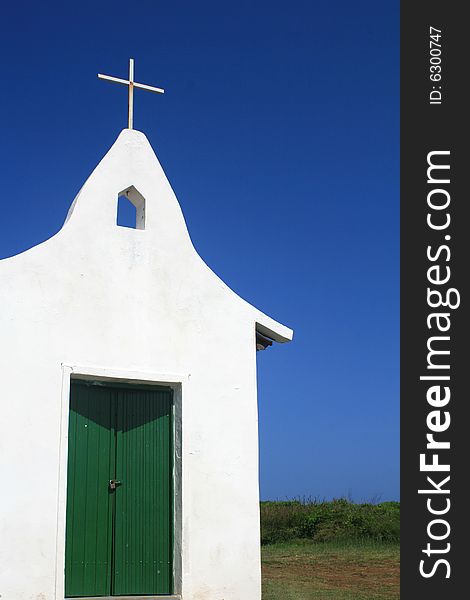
[(132, 84)]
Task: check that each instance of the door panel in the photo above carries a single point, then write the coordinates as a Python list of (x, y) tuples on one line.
[(89, 511), (143, 545)]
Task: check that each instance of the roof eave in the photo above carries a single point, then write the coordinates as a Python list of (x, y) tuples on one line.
[(272, 329)]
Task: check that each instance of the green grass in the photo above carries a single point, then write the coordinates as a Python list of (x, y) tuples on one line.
[(354, 570), (330, 550)]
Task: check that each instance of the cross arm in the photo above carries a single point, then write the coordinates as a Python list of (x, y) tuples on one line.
[(142, 86), (114, 79), (149, 88)]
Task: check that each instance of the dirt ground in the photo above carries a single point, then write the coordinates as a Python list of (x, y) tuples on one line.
[(317, 571)]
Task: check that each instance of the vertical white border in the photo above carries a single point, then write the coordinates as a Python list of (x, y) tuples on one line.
[(175, 381)]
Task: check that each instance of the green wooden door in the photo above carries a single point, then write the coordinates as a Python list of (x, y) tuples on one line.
[(119, 541)]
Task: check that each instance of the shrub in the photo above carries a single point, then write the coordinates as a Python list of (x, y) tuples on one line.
[(339, 519)]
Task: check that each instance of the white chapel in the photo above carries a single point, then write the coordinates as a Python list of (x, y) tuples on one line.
[(129, 428)]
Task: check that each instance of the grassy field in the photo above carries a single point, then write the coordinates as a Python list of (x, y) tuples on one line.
[(338, 550), (352, 570)]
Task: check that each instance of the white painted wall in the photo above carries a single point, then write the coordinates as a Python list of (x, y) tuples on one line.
[(132, 303)]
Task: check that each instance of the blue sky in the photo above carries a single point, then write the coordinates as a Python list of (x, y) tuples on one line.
[(279, 132)]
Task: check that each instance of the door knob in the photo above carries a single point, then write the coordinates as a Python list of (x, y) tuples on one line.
[(113, 483)]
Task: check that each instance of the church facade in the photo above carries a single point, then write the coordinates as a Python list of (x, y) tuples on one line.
[(129, 426)]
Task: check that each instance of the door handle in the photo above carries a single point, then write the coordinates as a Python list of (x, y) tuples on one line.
[(113, 484)]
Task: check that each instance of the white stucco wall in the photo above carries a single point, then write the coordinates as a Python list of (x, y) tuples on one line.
[(136, 304)]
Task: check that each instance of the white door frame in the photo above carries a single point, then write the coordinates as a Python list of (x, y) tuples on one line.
[(178, 382)]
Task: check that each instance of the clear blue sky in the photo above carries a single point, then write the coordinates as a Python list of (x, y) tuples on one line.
[(279, 134)]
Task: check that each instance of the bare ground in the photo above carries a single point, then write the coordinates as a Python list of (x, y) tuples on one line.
[(331, 571)]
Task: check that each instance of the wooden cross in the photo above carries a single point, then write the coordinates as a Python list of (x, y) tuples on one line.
[(132, 84)]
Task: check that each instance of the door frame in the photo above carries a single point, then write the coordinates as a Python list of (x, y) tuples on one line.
[(178, 383)]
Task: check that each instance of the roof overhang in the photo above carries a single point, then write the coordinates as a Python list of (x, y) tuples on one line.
[(270, 328)]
